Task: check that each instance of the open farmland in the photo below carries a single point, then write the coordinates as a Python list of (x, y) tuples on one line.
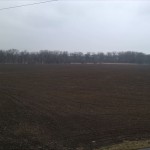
[(55, 106)]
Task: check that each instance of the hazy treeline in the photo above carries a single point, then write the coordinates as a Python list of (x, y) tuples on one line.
[(48, 57)]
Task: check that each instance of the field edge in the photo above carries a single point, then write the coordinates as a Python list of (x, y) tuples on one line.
[(128, 145)]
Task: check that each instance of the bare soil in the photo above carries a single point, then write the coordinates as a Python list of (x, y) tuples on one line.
[(56, 106)]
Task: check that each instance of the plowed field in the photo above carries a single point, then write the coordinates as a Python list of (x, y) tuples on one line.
[(55, 106)]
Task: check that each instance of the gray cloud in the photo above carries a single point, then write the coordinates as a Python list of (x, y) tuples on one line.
[(76, 26)]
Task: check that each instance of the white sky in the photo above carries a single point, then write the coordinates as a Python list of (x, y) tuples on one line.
[(76, 25)]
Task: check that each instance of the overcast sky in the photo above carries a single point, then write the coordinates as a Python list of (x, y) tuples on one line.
[(76, 26)]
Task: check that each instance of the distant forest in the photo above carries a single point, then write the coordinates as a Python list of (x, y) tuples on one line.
[(13, 56)]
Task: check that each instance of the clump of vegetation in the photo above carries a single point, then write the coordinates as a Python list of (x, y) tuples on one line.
[(128, 145)]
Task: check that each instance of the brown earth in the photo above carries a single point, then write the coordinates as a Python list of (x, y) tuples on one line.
[(56, 106)]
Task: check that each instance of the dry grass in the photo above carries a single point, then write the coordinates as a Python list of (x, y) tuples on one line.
[(128, 145)]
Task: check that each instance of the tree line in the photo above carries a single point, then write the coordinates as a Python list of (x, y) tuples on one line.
[(13, 56)]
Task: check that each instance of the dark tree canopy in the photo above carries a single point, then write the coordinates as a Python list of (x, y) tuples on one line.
[(14, 56)]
